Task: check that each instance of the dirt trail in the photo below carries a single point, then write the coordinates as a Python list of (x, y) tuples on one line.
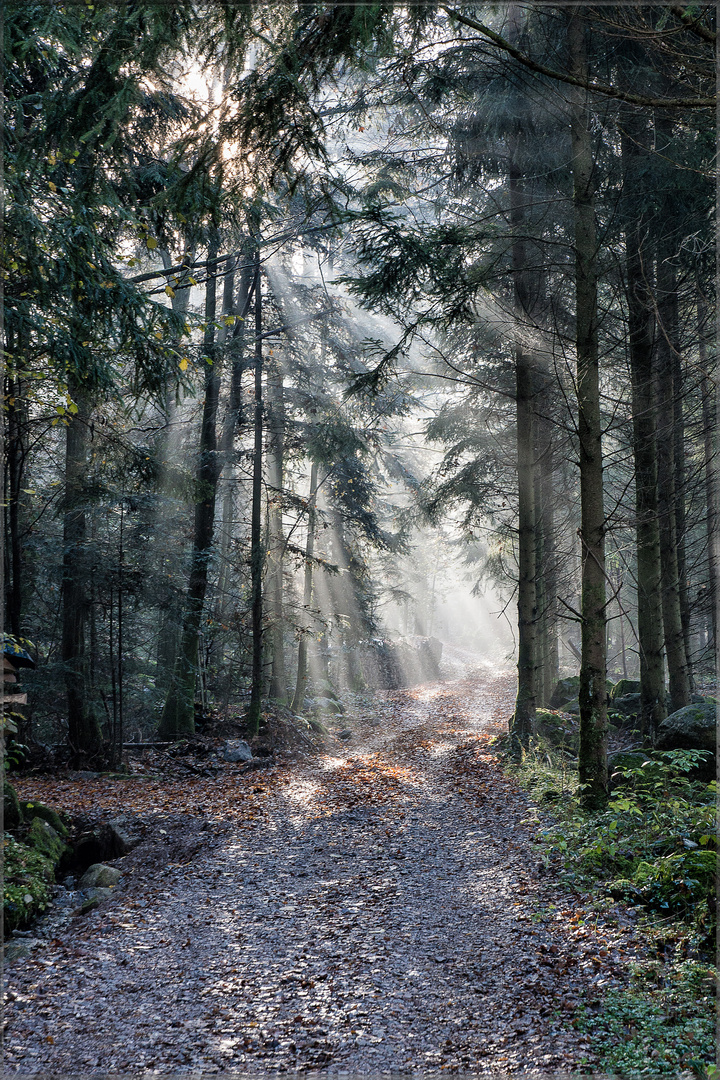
[(382, 912)]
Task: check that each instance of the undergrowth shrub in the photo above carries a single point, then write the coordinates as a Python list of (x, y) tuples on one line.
[(663, 1025), (655, 842), (654, 846)]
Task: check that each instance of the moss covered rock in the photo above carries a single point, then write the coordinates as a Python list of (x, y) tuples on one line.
[(28, 882), (39, 810), (555, 727), (623, 687), (44, 839), (12, 809), (100, 876), (691, 728), (627, 705), (565, 690)]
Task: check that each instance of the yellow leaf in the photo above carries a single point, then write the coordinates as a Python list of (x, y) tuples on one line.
[(151, 242), (158, 335), (29, 491), (72, 407), (169, 290), (52, 186), (183, 363), (86, 343), (229, 320), (60, 409), (192, 281)]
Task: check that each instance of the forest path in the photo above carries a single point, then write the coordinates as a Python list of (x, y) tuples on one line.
[(381, 912)]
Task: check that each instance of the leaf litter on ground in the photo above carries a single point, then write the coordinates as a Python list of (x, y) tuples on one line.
[(375, 906)]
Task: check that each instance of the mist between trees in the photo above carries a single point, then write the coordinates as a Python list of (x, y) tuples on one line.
[(314, 313)]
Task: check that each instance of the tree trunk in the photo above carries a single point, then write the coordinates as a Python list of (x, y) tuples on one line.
[(232, 424), (171, 604), (640, 308), (84, 733), (709, 413), (592, 758), (16, 446), (257, 553), (524, 715), (302, 663), (178, 715), (546, 565), (667, 392), (15, 456), (276, 540)]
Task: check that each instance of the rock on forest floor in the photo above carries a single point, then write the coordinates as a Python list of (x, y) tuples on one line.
[(372, 909)]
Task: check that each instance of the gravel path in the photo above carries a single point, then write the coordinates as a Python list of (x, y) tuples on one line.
[(381, 913)]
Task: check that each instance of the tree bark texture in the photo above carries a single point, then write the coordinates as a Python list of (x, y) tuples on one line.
[(232, 423), (668, 397), (592, 758), (15, 459), (275, 467), (178, 716), (709, 413), (257, 552), (525, 702), (84, 733), (546, 570), (301, 679), (171, 604), (640, 346)]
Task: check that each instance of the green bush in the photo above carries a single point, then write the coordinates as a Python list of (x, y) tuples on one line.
[(654, 846), (654, 843), (27, 885), (657, 1027)]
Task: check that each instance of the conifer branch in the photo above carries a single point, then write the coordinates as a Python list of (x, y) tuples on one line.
[(561, 76)]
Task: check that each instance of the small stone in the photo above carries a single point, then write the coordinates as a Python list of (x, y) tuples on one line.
[(16, 950), (100, 876), (346, 734), (126, 840), (236, 750), (98, 894)]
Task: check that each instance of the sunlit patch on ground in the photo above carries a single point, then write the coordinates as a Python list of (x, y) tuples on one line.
[(301, 791), (437, 749), (331, 763), (426, 693), (372, 781)]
